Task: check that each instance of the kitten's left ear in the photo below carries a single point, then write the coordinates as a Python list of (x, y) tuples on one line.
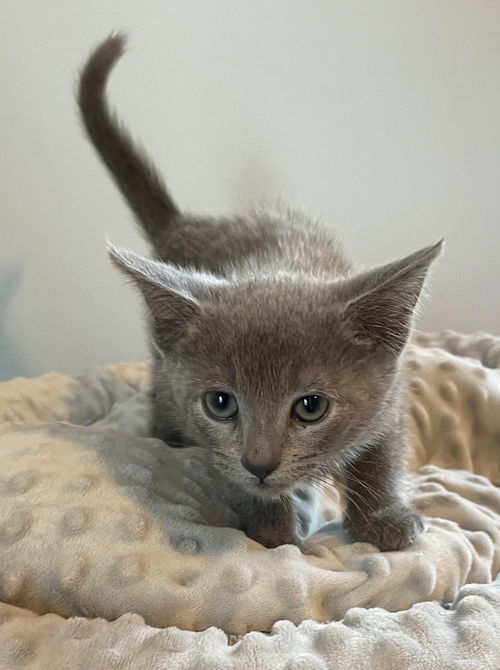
[(380, 303)]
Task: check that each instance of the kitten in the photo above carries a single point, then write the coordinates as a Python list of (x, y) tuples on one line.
[(270, 348)]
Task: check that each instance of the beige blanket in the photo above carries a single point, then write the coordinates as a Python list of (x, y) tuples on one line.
[(96, 520)]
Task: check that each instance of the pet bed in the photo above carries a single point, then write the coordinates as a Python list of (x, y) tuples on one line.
[(115, 551)]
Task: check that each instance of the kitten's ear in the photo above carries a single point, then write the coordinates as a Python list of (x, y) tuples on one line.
[(172, 294), (380, 303)]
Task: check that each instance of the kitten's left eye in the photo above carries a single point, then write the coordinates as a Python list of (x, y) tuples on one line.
[(310, 408), (220, 405)]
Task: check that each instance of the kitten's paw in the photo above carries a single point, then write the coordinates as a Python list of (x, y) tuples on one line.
[(271, 538), (389, 529)]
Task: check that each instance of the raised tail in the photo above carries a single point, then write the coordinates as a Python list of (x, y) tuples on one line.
[(130, 167)]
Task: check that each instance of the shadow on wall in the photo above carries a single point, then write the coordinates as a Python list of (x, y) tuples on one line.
[(254, 186), (11, 363)]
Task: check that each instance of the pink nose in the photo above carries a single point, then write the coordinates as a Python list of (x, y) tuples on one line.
[(260, 470)]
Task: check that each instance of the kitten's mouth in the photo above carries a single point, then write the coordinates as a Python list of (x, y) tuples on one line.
[(267, 489)]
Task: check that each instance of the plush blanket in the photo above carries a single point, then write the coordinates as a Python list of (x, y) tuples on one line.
[(98, 520)]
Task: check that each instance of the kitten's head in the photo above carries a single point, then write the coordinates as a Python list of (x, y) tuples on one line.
[(277, 378)]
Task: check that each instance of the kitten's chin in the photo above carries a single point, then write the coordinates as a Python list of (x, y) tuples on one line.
[(265, 489)]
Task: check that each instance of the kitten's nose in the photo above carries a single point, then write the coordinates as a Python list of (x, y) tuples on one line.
[(260, 470)]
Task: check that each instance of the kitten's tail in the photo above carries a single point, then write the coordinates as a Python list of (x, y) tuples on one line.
[(129, 166)]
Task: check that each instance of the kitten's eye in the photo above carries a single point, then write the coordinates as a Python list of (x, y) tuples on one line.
[(219, 405), (310, 408)]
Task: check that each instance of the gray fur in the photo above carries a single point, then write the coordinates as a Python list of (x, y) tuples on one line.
[(268, 307)]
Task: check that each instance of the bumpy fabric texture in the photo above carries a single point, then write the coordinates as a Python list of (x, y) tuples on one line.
[(98, 520)]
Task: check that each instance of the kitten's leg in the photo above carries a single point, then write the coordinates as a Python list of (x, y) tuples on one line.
[(376, 511), (269, 522)]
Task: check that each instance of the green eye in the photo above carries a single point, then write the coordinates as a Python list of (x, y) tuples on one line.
[(310, 408), (220, 405)]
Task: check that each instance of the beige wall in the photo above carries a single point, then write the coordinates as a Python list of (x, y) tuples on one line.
[(381, 116)]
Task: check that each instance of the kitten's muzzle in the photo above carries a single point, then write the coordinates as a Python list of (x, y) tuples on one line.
[(259, 469)]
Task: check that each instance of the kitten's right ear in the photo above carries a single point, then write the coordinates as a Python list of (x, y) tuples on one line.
[(171, 293)]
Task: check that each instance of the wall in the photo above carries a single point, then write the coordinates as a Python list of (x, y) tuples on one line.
[(383, 117)]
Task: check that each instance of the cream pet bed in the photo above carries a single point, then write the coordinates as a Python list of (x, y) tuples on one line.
[(98, 521)]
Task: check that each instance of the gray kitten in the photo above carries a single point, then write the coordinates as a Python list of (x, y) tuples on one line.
[(270, 349)]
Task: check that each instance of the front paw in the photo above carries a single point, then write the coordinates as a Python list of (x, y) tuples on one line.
[(271, 538), (389, 528)]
